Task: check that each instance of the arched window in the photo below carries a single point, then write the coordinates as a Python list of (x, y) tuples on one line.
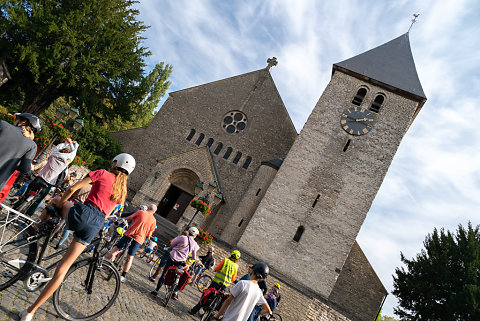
[(228, 153), (210, 142), (248, 160), (190, 136), (218, 149), (199, 139), (237, 158), (358, 99), (377, 103), (298, 234)]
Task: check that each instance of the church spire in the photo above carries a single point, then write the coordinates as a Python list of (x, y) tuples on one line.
[(390, 64)]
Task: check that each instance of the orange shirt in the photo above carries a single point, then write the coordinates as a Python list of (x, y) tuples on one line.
[(142, 225)]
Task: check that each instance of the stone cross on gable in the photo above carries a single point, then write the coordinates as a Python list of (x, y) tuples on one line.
[(272, 62)]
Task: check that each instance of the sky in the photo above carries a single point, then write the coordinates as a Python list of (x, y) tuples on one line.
[(434, 179)]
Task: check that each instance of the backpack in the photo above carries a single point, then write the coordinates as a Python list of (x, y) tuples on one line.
[(208, 296)]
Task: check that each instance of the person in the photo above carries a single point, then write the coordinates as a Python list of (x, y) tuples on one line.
[(57, 162), (17, 148), (151, 245), (244, 296), (109, 188), (207, 261), (142, 224), (272, 298), (226, 274), (79, 196), (164, 258), (262, 284), (181, 247), (68, 181)]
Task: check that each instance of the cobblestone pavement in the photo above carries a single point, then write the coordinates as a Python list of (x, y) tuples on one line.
[(133, 302)]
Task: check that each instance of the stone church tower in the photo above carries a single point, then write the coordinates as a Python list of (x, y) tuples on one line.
[(294, 201), (307, 222)]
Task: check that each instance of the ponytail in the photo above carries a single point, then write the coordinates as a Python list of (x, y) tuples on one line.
[(119, 190)]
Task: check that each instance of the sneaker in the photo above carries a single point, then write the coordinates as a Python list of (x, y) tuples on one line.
[(151, 279), (175, 297), (25, 316), (154, 294), (123, 279)]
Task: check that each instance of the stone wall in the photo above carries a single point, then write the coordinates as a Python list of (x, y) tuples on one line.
[(294, 305), (326, 188)]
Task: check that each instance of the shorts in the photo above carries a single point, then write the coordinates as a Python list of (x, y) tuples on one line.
[(147, 250), (122, 244), (85, 220), (164, 259)]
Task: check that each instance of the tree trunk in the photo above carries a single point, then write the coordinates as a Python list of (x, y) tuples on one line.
[(42, 101)]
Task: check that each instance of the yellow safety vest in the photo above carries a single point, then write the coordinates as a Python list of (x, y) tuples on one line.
[(224, 276)]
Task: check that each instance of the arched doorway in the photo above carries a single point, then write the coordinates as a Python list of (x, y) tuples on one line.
[(178, 196)]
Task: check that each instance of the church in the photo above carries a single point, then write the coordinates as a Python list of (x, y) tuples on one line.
[(295, 201)]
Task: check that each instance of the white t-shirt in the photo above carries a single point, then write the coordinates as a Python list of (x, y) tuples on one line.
[(246, 296)]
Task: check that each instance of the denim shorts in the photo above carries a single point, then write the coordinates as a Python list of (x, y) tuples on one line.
[(122, 244), (85, 220)]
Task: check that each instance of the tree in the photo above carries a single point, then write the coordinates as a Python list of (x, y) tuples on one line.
[(155, 85), (89, 51), (443, 281), (97, 148)]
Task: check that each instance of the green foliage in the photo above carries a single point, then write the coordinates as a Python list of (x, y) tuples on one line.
[(97, 148), (88, 50), (443, 281), (154, 86)]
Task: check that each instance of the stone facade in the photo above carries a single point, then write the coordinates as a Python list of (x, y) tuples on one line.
[(324, 189), (302, 214)]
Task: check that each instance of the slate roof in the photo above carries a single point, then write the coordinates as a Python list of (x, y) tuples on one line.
[(391, 64)]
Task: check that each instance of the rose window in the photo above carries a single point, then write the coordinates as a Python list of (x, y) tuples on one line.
[(234, 122)]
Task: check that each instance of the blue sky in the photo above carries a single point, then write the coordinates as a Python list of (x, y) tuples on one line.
[(434, 180)]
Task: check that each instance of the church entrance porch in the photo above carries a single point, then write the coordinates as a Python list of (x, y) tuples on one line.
[(173, 204)]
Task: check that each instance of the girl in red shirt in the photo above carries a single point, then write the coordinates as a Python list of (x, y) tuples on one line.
[(109, 189)]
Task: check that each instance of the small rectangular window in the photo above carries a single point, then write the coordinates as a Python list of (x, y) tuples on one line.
[(241, 222), (258, 192)]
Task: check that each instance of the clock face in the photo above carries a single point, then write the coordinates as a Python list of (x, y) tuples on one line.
[(357, 121)]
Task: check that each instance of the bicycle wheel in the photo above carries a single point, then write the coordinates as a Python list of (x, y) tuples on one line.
[(276, 317), (210, 310), (15, 251), (203, 282), (154, 268), (73, 300), (169, 294), (150, 257)]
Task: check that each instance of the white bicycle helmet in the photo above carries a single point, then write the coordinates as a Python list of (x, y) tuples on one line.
[(193, 231), (35, 122), (125, 163), (143, 207)]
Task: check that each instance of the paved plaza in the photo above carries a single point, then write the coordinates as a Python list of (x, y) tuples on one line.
[(133, 303)]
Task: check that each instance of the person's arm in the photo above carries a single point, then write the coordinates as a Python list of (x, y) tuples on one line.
[(69, 192), (131, 217), (25, 165), (219, 266), (124, 215), (265, 309), (224, 306), (234, 276)]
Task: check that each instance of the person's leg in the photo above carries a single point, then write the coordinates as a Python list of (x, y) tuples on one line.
[(23, 189), (128, 264), (74, 250), (162, 277), (112, 254), (163, 261)]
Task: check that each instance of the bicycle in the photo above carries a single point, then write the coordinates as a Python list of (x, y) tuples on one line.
[(271, 317), (176, 276), (37, 191), (213, 304), (85, 286), (202, 281)]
